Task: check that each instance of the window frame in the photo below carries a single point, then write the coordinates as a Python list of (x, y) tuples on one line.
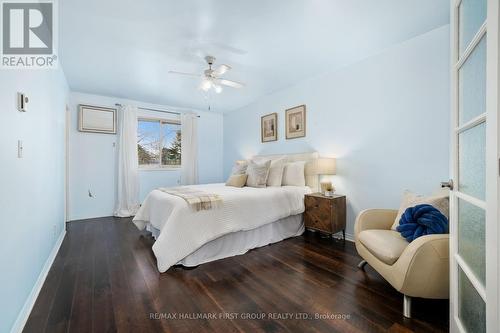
[(160, 166)]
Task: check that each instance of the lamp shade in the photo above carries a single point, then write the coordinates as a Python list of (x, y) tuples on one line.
[(326, 166)]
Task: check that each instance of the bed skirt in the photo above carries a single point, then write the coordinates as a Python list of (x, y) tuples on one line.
[(238, 243)]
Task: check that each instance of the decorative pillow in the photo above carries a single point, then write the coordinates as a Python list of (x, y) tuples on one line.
[(293, 174), (239, 168), (439, 201), (276, 172), (422, 220), (237, 180), (258, 173)]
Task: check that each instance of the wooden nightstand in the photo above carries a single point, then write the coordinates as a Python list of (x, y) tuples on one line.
[(325, 214)]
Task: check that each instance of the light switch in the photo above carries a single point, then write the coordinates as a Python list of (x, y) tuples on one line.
[(19, 149), (22, 102)]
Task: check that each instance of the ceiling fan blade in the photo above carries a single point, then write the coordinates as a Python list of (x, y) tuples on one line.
[(232, 84), (222, 69), (185, 74)]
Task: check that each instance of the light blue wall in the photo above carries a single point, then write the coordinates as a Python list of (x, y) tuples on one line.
[(385, 118), (93, 160), (31, 188)]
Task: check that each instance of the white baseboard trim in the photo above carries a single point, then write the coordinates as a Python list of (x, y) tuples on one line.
[(24, 314), (348, 237)]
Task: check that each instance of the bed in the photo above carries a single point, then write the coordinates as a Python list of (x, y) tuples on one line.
[(248, 218)]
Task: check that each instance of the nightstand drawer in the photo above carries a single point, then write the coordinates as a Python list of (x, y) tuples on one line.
[(316, 222), (316, 204), (318, 214)]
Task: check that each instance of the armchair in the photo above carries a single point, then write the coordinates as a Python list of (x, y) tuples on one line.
[(416, 269)]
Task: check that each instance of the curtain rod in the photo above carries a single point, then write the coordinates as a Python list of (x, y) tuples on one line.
[(156, 110)]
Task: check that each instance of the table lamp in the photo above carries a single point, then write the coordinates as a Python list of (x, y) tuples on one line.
[(327, 166)]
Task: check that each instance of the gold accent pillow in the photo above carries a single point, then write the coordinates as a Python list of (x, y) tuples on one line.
[(237, 180)]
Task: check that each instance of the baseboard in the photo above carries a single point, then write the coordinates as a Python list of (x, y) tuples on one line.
[(348, 237), (23, 316)]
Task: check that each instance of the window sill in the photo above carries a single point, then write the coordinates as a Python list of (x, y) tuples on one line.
[(160, 169)]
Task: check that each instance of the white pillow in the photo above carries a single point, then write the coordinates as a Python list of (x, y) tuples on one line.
[(293, 174), (258, 173), (275, 177), (239, 168)]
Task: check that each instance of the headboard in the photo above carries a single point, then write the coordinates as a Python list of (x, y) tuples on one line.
[(310, 167)]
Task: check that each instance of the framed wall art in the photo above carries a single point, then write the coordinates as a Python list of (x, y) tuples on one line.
[(295, 119), (269, 127)]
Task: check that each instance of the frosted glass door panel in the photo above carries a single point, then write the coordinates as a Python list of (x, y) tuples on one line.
[(472, 161), (472, 14), (471, 240), (471, 307), (472, 84)]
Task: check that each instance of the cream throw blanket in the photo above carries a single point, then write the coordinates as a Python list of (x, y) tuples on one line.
[(196, 199)]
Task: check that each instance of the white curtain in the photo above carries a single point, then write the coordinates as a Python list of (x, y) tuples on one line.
[(128, 164), (189, 148)]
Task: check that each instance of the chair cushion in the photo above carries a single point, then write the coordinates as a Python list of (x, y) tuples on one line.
[(386, 245)]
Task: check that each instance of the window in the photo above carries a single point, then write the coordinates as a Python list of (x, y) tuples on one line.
[(159, 143)]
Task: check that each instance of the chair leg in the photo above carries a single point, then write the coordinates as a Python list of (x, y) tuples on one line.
[(407, 306), (362, 264)]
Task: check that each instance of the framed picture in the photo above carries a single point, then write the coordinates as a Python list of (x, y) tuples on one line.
[(97, 119), (296, 122), (269, 127)]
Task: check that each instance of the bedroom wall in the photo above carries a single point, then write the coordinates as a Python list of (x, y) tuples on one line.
[(385, 119), (31, 188), (93, 160)]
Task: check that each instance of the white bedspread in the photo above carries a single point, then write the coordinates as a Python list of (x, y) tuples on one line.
[(183, 231)]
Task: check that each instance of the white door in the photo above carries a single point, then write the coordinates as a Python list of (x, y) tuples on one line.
[(474, 234)]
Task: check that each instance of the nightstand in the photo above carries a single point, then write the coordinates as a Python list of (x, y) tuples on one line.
[(325, 214)]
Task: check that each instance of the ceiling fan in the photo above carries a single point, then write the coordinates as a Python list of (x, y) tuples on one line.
[(211, 78)]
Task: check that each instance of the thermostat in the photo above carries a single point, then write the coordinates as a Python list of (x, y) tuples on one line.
[(22, 101)]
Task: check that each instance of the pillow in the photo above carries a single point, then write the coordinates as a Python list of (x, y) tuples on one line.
[(422, 220), (258, 173), (275, 177), (239, 168), (439, 201), (237, 180), (294, 174)]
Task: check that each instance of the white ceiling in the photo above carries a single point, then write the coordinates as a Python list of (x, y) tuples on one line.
[(125, 48)]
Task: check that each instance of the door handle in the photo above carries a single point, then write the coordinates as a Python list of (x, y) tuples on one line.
[(448, 184)]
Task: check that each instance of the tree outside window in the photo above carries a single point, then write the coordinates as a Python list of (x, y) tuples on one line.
[(159, 143)]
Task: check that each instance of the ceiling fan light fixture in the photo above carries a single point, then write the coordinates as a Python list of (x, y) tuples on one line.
[(205, 85), (217, 88)]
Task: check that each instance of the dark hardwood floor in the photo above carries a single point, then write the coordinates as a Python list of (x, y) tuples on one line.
[(105, 279)]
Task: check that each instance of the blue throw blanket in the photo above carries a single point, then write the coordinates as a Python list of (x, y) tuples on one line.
[(422, 220)]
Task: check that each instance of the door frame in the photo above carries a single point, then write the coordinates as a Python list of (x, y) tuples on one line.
[(67, 128), (492, 167), (491, 294)]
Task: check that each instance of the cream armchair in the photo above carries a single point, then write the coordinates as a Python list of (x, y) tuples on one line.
[(416, 269)]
